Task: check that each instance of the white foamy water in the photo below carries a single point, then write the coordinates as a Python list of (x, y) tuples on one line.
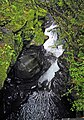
[(40, 105), (50, 73), (49, 46)]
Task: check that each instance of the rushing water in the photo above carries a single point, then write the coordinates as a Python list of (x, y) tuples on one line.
[(44, 104), (38, 97), (49, 46)]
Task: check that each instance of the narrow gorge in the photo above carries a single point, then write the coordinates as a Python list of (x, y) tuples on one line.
[(36, 83)]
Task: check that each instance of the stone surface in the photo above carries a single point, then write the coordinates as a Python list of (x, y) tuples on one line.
[(22, 99), (22, 79), (46, 102)]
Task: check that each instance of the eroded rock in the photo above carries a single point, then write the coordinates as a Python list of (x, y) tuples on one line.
[(22, 99), (22, 79)]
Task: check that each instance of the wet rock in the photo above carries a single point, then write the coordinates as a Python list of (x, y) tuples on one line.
[(22, 79), (27, 66), (47, 103), (30, 63), (62, 78), (22, 99)]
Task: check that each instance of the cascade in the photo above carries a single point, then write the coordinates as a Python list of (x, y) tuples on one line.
[(44, 104), (50, 47), (34, 85)]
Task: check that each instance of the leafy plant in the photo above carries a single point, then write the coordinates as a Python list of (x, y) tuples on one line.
[(19, 21), (69, 16)]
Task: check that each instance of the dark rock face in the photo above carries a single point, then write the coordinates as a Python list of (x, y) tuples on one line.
[(46, 103), (22, 99), (22, 78), (62, 79), (30, 62)]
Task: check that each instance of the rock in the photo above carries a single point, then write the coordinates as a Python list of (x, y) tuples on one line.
[(22, 99), (62, 79), (22, 79), (27, 66), (30, 62), (47, 103)]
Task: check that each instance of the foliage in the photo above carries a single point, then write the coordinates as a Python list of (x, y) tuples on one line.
[(69, 16), (18, 21), (6, 55)]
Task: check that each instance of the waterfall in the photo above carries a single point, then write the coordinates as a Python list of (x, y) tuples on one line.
[(37, 97), (41, 105), (50, 47)]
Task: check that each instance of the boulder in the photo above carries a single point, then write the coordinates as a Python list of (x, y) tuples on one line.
[(22, 79)]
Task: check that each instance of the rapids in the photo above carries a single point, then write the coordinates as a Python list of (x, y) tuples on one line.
[(34, 85), (50, 48), (46, 103)]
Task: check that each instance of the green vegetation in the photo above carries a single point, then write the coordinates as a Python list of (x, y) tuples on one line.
[(17, 22), (70, 19), (20, 19)]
